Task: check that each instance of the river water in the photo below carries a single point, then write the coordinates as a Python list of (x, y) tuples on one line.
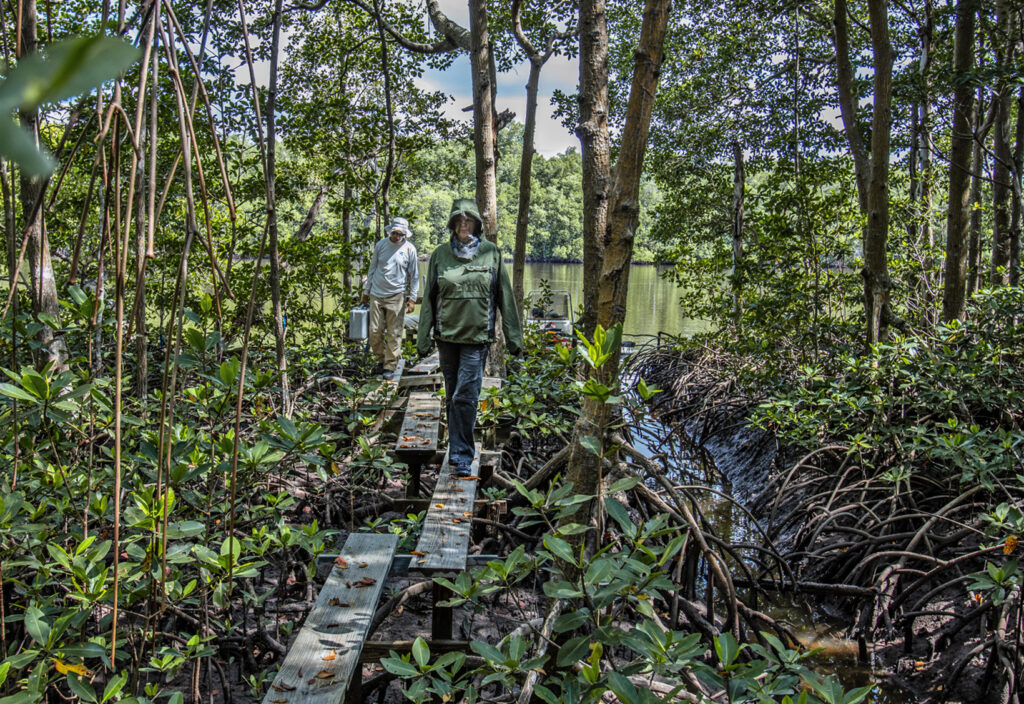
[(652, 303)]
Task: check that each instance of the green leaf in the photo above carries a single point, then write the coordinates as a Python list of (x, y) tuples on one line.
[(624, 484), (560, 549), (591, 444), (399, 667), (18, 146), (421, 652), (19, 698), (84, 691), (9, 389), (115, 686), (233, 547), (621, 516), (571, 621), (573, 650), (4, 669), (65, 69), (623, 688), (36, 625)]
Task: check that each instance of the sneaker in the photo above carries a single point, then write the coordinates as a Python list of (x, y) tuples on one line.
[(387, 375), (461, 470)]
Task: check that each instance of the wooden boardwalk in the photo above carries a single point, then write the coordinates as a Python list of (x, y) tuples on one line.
[(320, 663), (445, 538), (418, 438)]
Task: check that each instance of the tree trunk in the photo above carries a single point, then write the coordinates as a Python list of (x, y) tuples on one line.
[(623, 215), (389, 169), (1015, 218), (483, 118), (848, 100), (977, 166), (876, 267), (921, 169), (954, 285), (272, 229), (738, 183), (871, 167), (525, 182), (44, 287), (346, 235), (999, 271), (594, 149)]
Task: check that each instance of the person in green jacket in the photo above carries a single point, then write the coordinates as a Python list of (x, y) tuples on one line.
[(466, 288)]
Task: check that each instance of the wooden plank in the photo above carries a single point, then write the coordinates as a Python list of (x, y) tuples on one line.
[(333, 631), (445, 537), (418, 435), (374, 650), (438, 379), (427, 365)]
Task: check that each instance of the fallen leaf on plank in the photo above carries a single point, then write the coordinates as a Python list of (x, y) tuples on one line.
[(469, 479), (468, 514), (439, 505), (365, 582), (279, 701), (324, 674), (416, 552), (364, 565), (420, 562), (330, 656), (341, 562), (284, 687), (335, 601)]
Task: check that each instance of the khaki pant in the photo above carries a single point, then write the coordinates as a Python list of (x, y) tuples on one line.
[(387, 318)]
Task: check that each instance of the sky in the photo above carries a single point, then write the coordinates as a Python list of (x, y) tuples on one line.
[(558, 73)]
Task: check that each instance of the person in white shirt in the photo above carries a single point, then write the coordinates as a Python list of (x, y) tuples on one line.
[(391, 287)]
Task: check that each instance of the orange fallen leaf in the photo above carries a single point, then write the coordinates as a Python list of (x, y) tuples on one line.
[(284, 687), (364, 565), (420, 562), (1011, 545), (456, 520), (333, 655), (469, 479), (468, 514), (439, 505), (341, 562), (365, 582), (324, 674), (279, 701), (416, 552)]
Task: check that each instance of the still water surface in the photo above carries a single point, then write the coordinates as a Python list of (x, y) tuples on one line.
[(652, 304)]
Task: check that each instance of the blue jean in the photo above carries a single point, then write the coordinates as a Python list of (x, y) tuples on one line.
[(463, 370)]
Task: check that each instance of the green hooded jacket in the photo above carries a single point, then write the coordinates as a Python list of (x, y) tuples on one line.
[(462, 297)]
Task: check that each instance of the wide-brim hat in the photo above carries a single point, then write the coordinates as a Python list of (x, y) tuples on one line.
[(400, 225)]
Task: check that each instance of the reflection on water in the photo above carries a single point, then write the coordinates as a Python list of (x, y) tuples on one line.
[(652, 303)]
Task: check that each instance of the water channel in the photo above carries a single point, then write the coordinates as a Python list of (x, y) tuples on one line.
[(652, 305)]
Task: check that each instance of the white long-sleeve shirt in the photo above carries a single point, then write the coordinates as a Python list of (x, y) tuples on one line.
[(393, 270)]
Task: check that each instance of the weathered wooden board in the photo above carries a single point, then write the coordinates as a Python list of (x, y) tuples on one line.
[(438, 379), (445, 537), (427, 365), (418, 435), (320, 663)]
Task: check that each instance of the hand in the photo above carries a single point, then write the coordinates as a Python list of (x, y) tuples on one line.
[(364, 299), (410, 304)]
